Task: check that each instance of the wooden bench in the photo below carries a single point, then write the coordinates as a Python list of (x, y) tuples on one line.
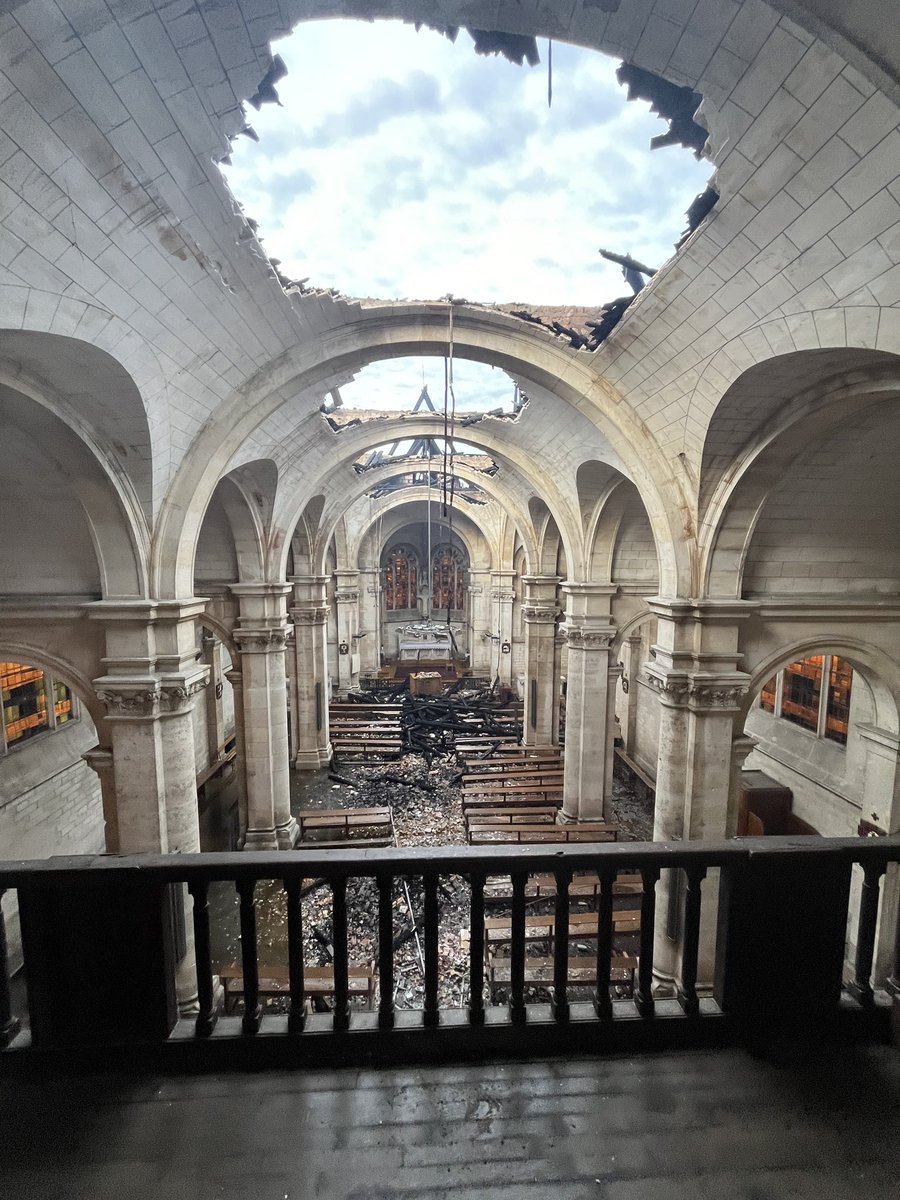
[(509, 783), (515, 789), (342, 821), (500, 767), (487, 832), (582, 972), (540, 928), (274, 982), (471, 805), (511, 815), (541, 772), (540, 886)]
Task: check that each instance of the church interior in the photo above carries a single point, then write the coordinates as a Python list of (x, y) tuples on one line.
[(494, 765)]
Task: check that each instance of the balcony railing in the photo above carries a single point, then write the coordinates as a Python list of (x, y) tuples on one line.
[(99, 950)]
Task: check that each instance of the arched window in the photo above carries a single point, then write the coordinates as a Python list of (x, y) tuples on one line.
[(401, 579), (33, 703), (448, 578)]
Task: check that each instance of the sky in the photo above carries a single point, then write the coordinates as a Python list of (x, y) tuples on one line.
[(403, 166)]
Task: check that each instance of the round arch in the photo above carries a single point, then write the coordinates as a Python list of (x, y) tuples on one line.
[(880, 672), (400, 330), (490, 484), (15, 650), (463, 529)]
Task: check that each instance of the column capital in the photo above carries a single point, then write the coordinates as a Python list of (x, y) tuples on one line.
[(535, 614), (308, 614), (261, 641), (579, 637), (347, 596), (698, 691), (147, 698), (99, 759)]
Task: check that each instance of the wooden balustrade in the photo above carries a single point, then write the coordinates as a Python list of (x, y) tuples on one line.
[(750, 870)]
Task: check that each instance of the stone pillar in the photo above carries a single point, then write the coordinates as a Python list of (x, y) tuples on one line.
[(540, 614), (481, 656), (613, 675), (632, 664), (261, 636), (149, 690), (346, 596), (100, 760), (236, 679), (742, 747), (369, 646), (502, 596), (215, 715), (589, 635), (694, 672), (153, 678), (309, 702)]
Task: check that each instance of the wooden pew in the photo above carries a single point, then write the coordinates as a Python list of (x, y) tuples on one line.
[(516, 789), (487, 833), (582, 972), (344, 820), (540, 928), (471, 805), (539, 886), (512, 815), (274, 982)]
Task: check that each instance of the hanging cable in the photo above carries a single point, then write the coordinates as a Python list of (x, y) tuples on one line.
[(549, 72)]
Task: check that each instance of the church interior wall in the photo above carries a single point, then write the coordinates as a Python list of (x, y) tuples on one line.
[(49, 804)]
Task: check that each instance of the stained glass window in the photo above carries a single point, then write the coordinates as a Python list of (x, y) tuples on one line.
[(448, 576), (767, 695), (802, 690), (400, 585), (837, 714), (32, 703)]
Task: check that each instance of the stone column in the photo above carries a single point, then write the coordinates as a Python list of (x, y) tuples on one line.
[(502, 596), (742, 747), (632, 664), (261, 636), (368, 647), (149, 691), (613, 675), (695, 674), (236, 679), (346, 596), (215, 716), (309, 613), (100, 760), (540, 614), (481, 655), (153, 678), (589, 635)]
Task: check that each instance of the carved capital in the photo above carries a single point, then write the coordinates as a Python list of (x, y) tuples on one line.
[(260, 641), (716, 695), (312, 615), (589, 639), (503, 595), (346, 597), (178, 697), (134, 701), (535, 614), (670, 690)]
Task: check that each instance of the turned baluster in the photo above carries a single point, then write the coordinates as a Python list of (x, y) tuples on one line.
[(385, 952), (476, 950), (687, 991), (249, 963), (643, 995), (602, 1001), (341, 967), (207, 1014), (296, 1012)]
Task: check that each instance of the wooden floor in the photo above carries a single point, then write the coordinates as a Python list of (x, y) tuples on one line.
[(690, 1126)]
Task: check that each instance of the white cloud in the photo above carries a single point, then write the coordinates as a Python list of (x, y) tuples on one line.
[(404, 166)]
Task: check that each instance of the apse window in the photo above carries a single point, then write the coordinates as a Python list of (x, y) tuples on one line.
[(813, 693), (33, 703)]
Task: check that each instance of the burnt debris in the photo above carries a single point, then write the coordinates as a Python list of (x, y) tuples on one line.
[(515, 47), (699, 209), (676, 105)]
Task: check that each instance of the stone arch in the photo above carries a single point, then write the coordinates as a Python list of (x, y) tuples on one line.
[(16, 650), (92, 521), (463, 528), (806, 420), (400, 330), (492, 485), (881, 673), (230, 506)]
